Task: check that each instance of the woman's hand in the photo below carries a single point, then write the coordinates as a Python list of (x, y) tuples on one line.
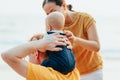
[(52, 40), (69, 45), (70, 36)]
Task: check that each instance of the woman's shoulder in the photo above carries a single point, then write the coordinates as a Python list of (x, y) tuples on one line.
[(84, 14)]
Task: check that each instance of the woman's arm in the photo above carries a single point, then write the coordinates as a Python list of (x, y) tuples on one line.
[(91, 44), (14, 57)]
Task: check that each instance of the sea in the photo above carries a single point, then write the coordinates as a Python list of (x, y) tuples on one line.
[(17, 29)]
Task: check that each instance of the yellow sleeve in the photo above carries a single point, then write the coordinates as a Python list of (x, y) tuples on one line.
[(88, 21), (37, 72)]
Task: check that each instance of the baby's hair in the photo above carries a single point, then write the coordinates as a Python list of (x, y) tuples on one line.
[(69, 6), (56, 20)]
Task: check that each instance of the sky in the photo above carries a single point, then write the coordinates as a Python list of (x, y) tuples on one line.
[(33, 7)]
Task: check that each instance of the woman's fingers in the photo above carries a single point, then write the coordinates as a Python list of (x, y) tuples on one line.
[(56, 39), (70, 36), (69, 45), (64, 39), (68, 33)]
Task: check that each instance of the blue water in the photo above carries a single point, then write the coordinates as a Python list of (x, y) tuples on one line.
[(15, 30)]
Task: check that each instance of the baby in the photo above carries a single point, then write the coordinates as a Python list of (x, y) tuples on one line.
[(62, 61)]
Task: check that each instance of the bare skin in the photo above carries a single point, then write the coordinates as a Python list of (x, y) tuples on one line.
[(55, 21), (93, 41), (14, 57), (37, 57), (91, 44)]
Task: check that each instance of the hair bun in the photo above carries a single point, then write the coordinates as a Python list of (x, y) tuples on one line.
[(69, 6)]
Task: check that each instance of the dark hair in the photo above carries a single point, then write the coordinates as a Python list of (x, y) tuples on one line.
[(69, 6), (57, 2)]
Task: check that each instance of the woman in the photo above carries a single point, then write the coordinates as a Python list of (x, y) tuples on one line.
[(83, 35), (33, 71)]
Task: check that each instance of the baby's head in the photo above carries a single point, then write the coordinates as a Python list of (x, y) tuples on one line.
[(55, 21)]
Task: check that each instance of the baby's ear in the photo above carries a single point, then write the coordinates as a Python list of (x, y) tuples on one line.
[(49, 28)]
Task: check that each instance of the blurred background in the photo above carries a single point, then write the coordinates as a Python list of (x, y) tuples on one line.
[(20, 19)]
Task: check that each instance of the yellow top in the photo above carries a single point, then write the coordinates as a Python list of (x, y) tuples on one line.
[(87, 61), (37, 72)]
